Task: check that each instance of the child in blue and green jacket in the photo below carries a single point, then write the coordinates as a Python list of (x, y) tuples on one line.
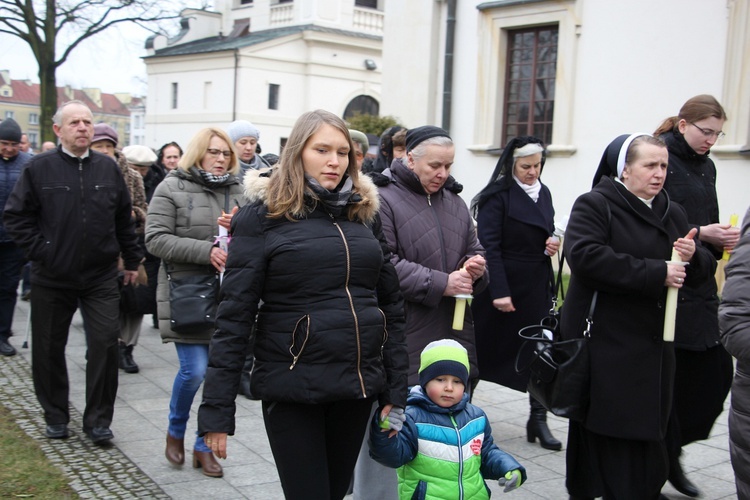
[(442, 444)]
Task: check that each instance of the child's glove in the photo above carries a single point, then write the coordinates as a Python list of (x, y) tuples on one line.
[(511, 481), (394, 420)]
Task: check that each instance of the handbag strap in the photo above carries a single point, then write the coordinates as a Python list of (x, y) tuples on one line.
[(590, 317)]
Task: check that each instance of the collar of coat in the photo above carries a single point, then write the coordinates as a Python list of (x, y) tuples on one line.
[(256, 184)]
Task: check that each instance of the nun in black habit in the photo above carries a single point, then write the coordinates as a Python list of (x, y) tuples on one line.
[(515, 224)]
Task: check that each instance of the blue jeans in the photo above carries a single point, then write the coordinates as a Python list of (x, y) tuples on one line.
[(193, 364), (11, 261)]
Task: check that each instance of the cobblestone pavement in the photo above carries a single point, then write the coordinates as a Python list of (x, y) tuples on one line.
[(135, 467)]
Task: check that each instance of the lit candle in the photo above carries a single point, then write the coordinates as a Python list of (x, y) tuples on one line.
[(670, 308), (733, 219), (459, 311)]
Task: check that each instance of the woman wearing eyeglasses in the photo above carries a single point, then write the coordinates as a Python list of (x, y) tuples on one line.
[(182, 225), (704, 368)]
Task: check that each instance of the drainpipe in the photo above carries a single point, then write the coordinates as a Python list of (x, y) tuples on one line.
[(236, 75), (450, 31)]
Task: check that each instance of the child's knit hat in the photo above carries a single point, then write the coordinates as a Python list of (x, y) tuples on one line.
[(443, 357)]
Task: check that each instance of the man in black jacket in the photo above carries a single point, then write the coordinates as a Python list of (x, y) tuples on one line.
[(70, 212)]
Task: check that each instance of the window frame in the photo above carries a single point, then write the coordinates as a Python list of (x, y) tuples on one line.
[(497, 20), (274, 91)]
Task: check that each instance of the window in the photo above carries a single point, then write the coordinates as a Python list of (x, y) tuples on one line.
[(530, 83), (207, 94), (33, 137), (362, 105), (273, 96), (33, 119), (372, 4), (9, 114), (246, 2), (174, 95), (549, 88), (137, 121)]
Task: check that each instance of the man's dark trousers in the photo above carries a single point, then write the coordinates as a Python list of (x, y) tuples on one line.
[(11, 261), (52, 310)]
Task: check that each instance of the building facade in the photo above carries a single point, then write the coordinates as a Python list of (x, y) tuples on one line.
[(576, 73), (265, 61)]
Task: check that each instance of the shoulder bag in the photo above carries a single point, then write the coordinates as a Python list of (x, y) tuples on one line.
[(558, 369), (192, 302)]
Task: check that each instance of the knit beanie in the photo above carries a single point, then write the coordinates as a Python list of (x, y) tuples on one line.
[(443, 357), (420, 134), (242, 128), (10, 131), (102, 132), (141, 156)]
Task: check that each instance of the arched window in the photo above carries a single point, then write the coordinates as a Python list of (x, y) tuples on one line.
[(362, 105)]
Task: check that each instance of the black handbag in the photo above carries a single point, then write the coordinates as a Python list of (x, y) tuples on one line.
[(192, 302), (559, 369)]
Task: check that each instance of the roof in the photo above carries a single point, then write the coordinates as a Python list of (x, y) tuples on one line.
[(218, 44)]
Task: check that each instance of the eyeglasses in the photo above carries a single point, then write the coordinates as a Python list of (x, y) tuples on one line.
[(708, 133), (217, 152)]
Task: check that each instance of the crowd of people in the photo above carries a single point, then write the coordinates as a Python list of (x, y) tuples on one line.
[(334, 283)]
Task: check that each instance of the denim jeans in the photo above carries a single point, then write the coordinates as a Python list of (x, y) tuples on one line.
[(11, 261), (193, 363)]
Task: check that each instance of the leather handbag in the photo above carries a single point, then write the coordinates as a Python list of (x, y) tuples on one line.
[(193, 301), (559, 372)]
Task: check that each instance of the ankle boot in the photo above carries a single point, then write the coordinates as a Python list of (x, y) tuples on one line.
[(679, 481), (175, 451), (126, 359), (207, 461), (536, 427)]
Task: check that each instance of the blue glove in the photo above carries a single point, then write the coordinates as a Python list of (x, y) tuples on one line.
[(394, 420), (511, 481)]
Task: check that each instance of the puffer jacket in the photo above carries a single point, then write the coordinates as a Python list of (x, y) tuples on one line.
[(734, 320), (429, 236), (181, 229), (331, 325), (72, 217), (460, 436)]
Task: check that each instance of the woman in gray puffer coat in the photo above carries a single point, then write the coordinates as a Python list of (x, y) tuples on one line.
[(734, 322), (182, 227)]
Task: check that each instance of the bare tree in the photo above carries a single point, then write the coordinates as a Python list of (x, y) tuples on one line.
[(40, 24)]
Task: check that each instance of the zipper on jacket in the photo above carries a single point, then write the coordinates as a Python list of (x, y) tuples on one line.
[(385, 333), (351, 306), (460, 457), (295, 357), (83, 210), (443, 257)]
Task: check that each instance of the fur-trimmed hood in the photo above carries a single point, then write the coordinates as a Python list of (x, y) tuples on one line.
[(256, 184)]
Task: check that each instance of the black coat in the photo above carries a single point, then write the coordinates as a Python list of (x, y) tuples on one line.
[(513, 230), (331, 325), (617, 245)]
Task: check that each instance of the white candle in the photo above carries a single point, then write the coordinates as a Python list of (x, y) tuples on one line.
[(670, 308), (459, 311)]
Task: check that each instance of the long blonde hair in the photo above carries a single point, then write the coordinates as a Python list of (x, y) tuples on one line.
[(198, 147), (287, 186)]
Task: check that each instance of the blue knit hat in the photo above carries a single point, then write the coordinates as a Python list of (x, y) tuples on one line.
[(443, 357), (242, 128)]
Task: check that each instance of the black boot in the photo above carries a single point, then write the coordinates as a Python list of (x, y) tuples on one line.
[(536, 427), (679, 481), (126, 359)]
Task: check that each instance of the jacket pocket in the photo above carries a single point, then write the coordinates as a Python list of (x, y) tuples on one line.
[(420, 492), (385, 333), (300, 336)]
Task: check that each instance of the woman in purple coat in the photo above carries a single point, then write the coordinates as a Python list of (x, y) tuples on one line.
[(515, 222)]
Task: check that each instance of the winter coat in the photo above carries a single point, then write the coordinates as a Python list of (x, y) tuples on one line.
[(72, 217), (691, 182), (513, 230), (10, 170), (331, 325), (429, 236), (442, 452), (734, 320), (134, 181), (616, 245), (181, 229)]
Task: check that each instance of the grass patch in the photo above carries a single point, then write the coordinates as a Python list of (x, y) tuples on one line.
[(25, 471)]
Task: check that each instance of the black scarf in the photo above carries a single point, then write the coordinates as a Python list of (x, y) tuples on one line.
[(337, 200)]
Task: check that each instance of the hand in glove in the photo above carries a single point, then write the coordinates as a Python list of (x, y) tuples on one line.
[(511, 481), (393, 418)]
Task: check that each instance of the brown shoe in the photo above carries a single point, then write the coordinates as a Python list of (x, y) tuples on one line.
[(175, 452), (207, 461)]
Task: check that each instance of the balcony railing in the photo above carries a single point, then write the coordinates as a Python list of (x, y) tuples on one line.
[(282, 14), (368, 20)]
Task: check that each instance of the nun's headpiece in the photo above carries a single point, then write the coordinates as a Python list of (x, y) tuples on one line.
[(518, 147), (613, 160)]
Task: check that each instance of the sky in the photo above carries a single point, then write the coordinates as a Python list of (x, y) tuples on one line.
[(110, 61)]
